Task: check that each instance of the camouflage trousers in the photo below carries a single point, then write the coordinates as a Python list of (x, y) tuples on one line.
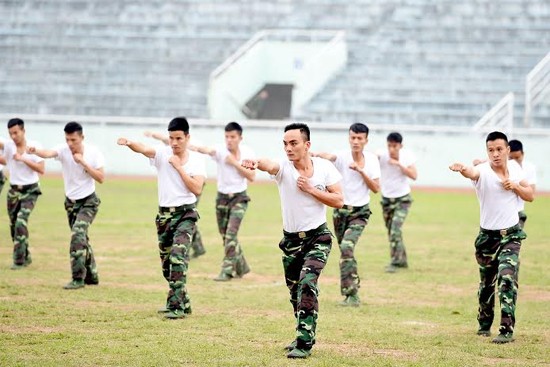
[(230, 210), (522, 219), (80, 214), (497, 255), (2, 180), (395, 212), (349, 223), (175, 228), (21, 201), (196, 244), (305, 254)]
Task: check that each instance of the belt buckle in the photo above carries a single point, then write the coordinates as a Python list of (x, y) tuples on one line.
[(350, 207), (172, 209), (19, 187), (302, 234), (503, 232)]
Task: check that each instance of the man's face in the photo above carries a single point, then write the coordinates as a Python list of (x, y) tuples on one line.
[(295, 146), (357, 141), (517, 156), (394, 148), (74, 141), (178, 141), (497, 152), (17, 134), (232, 140)]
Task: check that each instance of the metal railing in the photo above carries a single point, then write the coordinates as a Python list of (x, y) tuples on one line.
[(500, 116), (537, 86)]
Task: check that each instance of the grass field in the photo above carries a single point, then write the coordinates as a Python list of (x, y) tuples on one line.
[(423, 316)]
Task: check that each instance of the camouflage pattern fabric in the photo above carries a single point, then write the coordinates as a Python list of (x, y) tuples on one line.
[(2, 180), (349, 223), (498, 259), (81, 214), (395, 212), (196, 244), (522, 219), (230, 210), (304, 257), (175, 228), (21, 202)]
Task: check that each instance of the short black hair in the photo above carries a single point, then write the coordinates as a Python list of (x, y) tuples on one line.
[(359, 128), (179, 124), (234, 126), (495, 135), (16, 121), (304, 129), (515, 146), (73, 127), (394, 137)]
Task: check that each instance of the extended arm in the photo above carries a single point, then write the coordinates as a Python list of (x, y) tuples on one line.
[(201, 149), (147, 151), (42, 153), (157, 136), (330, 157), (262, 164), (466, 171)]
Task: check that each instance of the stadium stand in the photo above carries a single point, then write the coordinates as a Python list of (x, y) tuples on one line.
[(410, 61)]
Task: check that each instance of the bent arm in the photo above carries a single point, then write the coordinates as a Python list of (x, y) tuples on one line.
[(193, 183), (97, 173), (332, 197), (39, 167), (409, 171), (372, 184), (524, 191)]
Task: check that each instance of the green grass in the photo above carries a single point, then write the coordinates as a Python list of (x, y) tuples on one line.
[(424, 316)]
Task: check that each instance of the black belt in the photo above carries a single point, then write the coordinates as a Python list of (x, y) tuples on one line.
[(24, 187), (173, 209), (80, 201), (304, 234), (351, 207), (501, 232)]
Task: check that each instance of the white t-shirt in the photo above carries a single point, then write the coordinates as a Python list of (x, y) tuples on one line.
[(171, 189), (20, 173), (301, 211), (230, 181), (530, 176), (393, 182), (78, 183), (356, 191), (498, 208), (3, 141)]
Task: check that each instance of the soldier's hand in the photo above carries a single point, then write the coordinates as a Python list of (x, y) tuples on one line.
[(31, 150), (78, 158), (394, 161), (148, 133), (231, 160), (354, 166), (17, 157), (123, 141), (303, 184), (457, 167), (251, 164), (175, 161), (507, 184)]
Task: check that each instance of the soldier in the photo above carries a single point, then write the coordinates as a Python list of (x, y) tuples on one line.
[(2, 162), (197, 246), (181, 175), (232, 199), (517, 154), (397, 165), (82, 165), (306, 185), (500, 185), (360, 171), (24, 189)]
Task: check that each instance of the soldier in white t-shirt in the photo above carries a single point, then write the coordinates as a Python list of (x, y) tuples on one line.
[(361, 172), (397, 166), (517, 154), (181, 175), (24, 189), (2, 176), (82, 166), (306, 185), (197, 246), (232, 199), (500, 185)]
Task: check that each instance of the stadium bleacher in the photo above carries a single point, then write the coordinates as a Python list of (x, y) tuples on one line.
[(410, 61)]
